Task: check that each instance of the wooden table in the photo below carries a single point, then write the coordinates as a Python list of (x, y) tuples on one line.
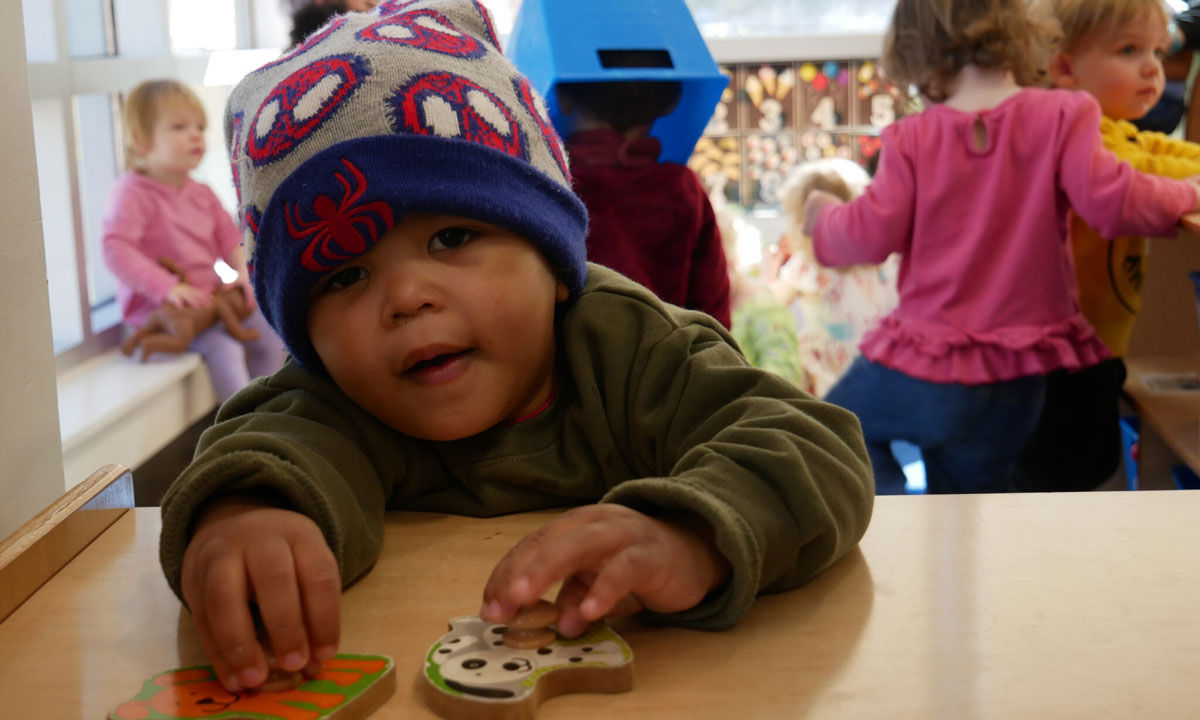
[(957, 607), (1170, 421)]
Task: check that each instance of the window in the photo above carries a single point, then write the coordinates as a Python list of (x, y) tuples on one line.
[(110, 46), (136, 27), (54, 181), (87, 34), (203, 25), (748, 18), (96, 157), (39, 32)]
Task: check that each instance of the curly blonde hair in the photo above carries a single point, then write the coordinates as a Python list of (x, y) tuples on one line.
[(1081, 19), (929, 42), (141, 110)]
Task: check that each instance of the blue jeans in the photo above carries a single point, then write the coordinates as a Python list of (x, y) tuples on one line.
[(970, 435)]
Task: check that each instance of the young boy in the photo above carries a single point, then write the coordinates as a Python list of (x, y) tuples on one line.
[(649, 220), (415, 242), (1112, 49)]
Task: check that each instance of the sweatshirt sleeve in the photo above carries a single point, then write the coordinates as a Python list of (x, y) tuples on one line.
[(125, 225), (1110, 195), (782, 478), (879, 222), (321, 457)]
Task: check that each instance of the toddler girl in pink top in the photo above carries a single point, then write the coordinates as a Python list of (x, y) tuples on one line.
[(974, 193), (156, 211)]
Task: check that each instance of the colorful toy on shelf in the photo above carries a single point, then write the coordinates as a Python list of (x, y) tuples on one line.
[(568, 41)]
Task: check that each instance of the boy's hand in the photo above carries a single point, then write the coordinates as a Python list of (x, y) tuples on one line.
[(243, 551), (816, 201), (184, 295), (613, 560)]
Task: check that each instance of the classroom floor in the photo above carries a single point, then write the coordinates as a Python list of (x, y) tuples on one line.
[(909, 457)]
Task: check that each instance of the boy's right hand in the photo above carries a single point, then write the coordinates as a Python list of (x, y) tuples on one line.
[(243, 551), (184, 295)]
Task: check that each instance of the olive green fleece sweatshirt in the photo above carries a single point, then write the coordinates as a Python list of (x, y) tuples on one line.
[(656, 410)]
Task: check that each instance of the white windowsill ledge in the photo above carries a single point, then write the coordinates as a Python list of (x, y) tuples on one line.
[(113, 409)]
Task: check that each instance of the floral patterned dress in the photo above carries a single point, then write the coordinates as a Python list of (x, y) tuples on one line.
[(832, 309)]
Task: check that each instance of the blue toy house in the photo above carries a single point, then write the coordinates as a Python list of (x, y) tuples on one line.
[(570, 41)]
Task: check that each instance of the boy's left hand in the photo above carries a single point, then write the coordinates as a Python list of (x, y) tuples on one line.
[(613, 561)]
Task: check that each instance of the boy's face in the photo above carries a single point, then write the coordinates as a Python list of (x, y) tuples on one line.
[(1120, 67), (442, 330), (176, 144)]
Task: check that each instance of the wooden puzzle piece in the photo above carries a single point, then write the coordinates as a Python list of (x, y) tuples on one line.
[(470, 673), (349, 687)]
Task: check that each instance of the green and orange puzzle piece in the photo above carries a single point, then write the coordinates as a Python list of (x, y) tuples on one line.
[(349, 687)]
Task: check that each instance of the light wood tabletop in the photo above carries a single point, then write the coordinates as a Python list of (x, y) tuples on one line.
[(1170, 420), (1191, 222), (963, 607)]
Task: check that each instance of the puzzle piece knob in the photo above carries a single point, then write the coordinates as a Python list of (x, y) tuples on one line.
[(530, 629)]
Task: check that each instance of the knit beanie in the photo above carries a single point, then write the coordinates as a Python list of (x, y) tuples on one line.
[(408, 108)]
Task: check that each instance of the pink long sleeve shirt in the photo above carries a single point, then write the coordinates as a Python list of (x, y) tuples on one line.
[(987, 290), (147, 220)]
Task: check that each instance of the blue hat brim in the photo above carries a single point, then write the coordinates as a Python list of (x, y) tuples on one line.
[(366, 174)]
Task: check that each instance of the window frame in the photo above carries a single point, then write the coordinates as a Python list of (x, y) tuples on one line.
[(61, 81)]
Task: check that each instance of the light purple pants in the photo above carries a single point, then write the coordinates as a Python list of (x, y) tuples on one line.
[(232, 364)]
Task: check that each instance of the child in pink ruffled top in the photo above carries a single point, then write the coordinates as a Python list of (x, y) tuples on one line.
[(156, 211), (974, 193)]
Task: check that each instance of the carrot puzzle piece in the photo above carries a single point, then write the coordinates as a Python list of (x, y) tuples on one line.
[(471, 674), (349, 687)]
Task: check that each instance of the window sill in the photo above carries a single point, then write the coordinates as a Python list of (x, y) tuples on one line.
[(113, 409)]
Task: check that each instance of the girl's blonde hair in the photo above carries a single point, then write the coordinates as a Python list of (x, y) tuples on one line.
[(929, 42), (143, 104), (1080, 19), (842, 178), (845, 179)]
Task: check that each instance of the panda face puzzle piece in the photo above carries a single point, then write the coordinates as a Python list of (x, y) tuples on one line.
[(349, 687), (471, 673)]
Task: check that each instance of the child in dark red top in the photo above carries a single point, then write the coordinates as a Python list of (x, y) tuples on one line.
[(656, 224)]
